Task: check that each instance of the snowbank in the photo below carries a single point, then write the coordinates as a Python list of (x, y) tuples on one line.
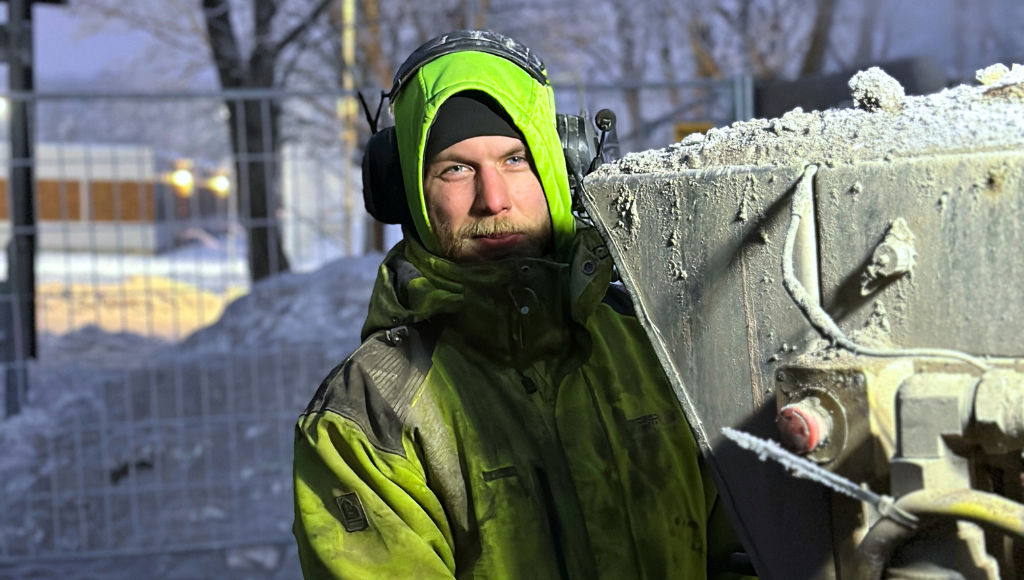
[(130, 443)]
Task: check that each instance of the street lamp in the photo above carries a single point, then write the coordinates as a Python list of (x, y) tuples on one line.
[(182, 178), (220, 184)]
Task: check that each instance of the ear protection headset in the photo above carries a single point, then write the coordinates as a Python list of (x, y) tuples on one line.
[(383, 186)]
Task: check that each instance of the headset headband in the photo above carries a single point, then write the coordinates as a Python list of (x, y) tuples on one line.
[(473, 40)]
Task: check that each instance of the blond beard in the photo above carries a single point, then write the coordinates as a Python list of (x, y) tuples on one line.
[(456, 244)]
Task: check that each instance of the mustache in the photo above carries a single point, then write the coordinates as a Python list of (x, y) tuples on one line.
[(494, 227)]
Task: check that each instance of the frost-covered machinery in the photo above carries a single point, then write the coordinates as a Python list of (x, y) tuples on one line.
[(849, 283)]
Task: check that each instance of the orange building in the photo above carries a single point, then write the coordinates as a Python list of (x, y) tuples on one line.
[(115, 198)]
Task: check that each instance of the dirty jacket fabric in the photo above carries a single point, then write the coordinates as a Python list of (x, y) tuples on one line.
[(501, 421)]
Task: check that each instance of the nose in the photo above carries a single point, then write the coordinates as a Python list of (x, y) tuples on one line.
[(492, 195)]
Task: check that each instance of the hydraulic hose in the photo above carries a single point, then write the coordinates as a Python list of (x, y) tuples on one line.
[(967, 504), (980, 507), (802, 205)]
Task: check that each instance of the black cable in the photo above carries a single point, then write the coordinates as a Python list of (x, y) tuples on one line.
[(366, 110)]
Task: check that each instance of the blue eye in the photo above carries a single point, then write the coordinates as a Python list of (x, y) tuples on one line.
[(454, 169)]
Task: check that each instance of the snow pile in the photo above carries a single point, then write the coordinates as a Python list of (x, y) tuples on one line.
[(112, 416), (141, 304), (95, 347), (887, 127), (38, 448), (326, 307), (199, 565), (19, 467), (873, 90)]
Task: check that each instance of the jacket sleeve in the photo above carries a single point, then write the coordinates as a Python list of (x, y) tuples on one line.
[(362, 513)]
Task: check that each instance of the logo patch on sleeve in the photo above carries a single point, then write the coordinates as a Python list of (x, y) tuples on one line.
[(353, 518)]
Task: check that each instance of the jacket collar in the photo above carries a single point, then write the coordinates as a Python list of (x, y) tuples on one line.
[(513, 311)]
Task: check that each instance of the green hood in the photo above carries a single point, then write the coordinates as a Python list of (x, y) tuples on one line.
[(531, 107)]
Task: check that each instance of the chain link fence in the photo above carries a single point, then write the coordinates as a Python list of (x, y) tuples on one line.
[(158, 414)]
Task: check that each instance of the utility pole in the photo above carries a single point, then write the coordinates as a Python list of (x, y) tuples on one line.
[(348, 109), (371, 16), (17, 293)]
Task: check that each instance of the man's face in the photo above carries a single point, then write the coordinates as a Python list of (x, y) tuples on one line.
[(485, 202)]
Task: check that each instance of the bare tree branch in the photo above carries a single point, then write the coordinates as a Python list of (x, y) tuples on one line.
[(301, 27), (167, 33), (289, 66), (815, 56), (866, 29)]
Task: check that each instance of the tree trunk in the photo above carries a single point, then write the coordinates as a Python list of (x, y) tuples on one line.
[(704, 62), (375, 58), (254, 136), (482, 8), (667, 40), (865, 53), (630, 71), (382, 72), (255, 146), (814, 58), (961, 30)]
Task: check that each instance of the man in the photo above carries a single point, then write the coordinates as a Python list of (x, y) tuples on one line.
[(503, 419)]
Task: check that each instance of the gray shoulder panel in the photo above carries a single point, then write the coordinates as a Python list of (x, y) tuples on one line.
[(375, 387)]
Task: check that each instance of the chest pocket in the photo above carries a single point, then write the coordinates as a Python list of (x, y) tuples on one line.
[(654, 447), (646, 431), (502, 494)]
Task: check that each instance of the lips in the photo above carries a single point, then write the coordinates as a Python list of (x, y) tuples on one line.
[(496, 236), (500, 241)]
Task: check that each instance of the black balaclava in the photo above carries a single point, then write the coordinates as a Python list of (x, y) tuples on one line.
[(465, 115)]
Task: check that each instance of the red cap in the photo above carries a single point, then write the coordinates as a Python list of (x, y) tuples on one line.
[(804, 425)]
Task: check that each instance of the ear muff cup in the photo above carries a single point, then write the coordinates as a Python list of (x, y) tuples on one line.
[(579, 144), (383, 185)]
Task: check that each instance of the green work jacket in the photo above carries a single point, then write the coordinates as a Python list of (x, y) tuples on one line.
[(506, 420)]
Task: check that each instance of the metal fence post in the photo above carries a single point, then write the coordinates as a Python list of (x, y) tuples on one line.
[(743, 97), (20, 343)]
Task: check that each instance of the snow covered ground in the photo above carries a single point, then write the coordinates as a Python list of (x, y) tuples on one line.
[(138, 457)]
